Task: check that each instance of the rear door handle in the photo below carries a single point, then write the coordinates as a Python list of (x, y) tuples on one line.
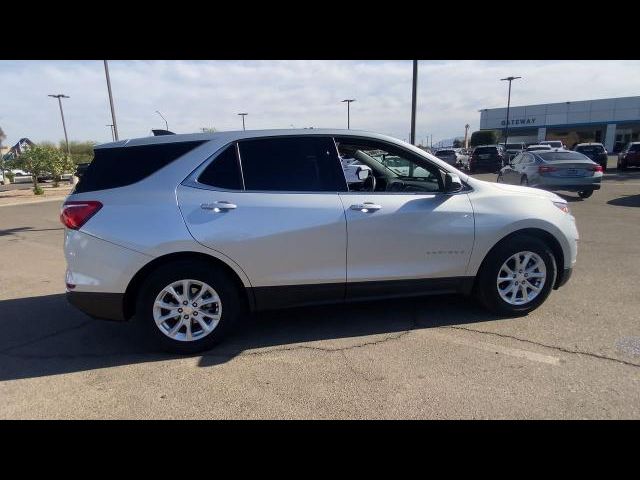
[(220, 206), (366, 207)]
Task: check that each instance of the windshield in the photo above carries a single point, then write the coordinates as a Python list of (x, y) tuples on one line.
[(635, 148), (555, 156)]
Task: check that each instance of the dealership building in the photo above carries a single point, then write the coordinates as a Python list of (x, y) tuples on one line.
[(611, 121)]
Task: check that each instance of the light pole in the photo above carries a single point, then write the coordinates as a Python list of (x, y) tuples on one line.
[(110, 125), (60, 96), (414, 92), (509, 79), (165, 120), (466, 136), (113, 112), (348, 101), (243, 115)]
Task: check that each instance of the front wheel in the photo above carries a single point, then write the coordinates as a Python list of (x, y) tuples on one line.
[(188, 306), (517, 276), (585, 193)]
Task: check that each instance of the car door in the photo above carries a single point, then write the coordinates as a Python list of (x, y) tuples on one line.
[(409, 240), (272, 206)]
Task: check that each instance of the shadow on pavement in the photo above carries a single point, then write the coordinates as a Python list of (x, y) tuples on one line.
[(626, 201), (46, 336)]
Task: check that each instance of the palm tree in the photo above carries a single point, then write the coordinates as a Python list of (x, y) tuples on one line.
[(2, 137)]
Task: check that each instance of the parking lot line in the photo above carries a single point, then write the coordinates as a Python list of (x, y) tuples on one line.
[(492, 347)]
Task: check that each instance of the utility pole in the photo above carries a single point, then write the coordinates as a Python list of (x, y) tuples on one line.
[(348, 101), (110, 125), (243, 115), (113, 112), (509, 79), (414, 92), (466, 136), (60, 96)]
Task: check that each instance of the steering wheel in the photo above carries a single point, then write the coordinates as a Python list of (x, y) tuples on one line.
[(369, 185)]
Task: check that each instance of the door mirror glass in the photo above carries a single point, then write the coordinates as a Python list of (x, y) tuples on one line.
[(452, 183), (363, 173)]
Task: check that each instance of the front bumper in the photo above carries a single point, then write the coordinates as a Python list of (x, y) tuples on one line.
[(101, 306)]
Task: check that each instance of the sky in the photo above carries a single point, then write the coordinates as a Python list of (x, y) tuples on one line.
[(281, 94)]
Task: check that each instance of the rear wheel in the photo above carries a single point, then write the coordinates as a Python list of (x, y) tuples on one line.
[(524, 181), (188, 306), (585, 193), (517, 276), (621, 166), (500, 178)]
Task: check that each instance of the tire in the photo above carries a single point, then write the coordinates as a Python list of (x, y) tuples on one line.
[(220, 283), (621, 166), (500, 178), (487, 279), (524, 181), (585, 193)]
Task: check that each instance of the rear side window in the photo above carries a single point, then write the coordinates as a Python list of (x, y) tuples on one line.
[(122, 166), (223, 171), (307, 164)]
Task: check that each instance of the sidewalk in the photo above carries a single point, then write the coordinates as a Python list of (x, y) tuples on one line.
[(19, 197)]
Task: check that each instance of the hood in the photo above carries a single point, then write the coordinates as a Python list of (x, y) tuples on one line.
[(529, 191)]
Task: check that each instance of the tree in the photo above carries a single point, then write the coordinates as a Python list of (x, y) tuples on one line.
[(457, 143), (209, 129), (40, 160), (81, 152), (2, 137), (483, 137)]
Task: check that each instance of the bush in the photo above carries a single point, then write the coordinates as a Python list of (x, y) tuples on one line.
[(483, 137), (38, 190), (39, 160)]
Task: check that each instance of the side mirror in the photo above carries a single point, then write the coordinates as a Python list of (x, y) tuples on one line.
[(363, 173), (452, 183)]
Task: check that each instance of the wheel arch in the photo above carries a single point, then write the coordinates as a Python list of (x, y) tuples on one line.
[(539, 233), (131, 293)]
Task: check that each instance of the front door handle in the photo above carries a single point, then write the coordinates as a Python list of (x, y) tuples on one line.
[(220, 206), (366, 207)]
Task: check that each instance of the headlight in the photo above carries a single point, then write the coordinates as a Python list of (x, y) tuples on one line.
[(563, 206)]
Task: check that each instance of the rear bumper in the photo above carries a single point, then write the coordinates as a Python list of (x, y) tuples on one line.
[(574, 187), (101, 306)]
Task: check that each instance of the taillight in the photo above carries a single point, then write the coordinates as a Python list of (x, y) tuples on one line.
[(596, 168), (75, 214), (546, 169)]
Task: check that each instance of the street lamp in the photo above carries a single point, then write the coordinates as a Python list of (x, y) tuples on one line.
[(113, 111), (348, 101), (243, 115), (110, 125), (165, 120), (60, 96), (414, 93), (509, 79)]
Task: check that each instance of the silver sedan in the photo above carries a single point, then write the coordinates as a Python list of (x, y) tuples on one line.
[(553, 170)]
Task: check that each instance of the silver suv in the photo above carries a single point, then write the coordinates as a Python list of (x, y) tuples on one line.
[(187, 232)]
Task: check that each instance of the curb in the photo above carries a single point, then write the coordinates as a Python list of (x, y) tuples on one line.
[(44, 200)]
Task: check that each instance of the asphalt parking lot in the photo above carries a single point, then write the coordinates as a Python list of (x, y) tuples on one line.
[(578, 356)]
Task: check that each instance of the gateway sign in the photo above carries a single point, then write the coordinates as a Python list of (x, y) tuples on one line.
[(520, 121)]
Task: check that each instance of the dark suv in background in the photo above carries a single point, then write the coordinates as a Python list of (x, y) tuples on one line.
[(630, 156), (489, 158), (595, 151)]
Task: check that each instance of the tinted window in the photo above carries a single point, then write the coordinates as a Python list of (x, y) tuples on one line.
[(121, 166), (553, 156), (223, 171), (307, 164), (484, 150), (590, 149)]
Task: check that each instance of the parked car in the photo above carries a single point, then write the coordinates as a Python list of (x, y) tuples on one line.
[(449, 155), (554, 170), (553, 143), (20, 176), (537, 148), (81, 168), (595, 151), (204, 227), (630, 156), (513, 149), (487, 157)]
